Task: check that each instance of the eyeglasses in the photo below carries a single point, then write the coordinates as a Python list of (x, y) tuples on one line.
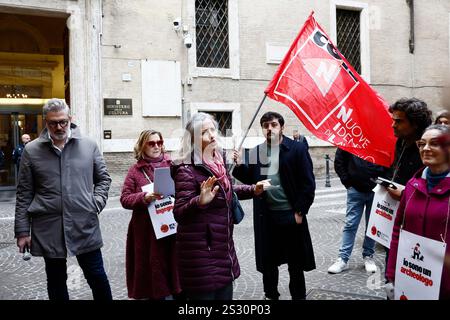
[(61, 123), (433, 144), (154, 143)]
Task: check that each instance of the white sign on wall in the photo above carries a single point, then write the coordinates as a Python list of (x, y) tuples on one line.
[(161, 88)]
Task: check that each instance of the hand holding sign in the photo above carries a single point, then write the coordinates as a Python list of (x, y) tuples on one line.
[(396, 193), (152, 196)]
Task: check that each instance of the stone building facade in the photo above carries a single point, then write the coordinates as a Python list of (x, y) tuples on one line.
[(160, 61)]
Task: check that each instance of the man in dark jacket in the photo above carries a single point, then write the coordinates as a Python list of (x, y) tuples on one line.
[(63, 186), (355, 174), (279, 215), (17, 152)]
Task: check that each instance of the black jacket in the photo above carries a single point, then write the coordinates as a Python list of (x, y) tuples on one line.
[(356, 172), (17, 153), (297, 179), (408, 161)]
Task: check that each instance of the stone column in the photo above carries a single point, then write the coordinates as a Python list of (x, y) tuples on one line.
[(94, 105), (85, 84)]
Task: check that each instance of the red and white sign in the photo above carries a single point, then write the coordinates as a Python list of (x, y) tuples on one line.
[(161, 214), (418, 270), (382, 216), (331, 99)]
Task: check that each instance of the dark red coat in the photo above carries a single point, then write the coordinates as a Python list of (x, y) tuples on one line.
[(206, 255), (151, 269)]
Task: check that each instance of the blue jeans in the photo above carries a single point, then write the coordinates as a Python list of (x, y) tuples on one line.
[(92, 265), (356, 201)]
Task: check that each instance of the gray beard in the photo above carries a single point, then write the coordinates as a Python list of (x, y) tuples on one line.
[(60, 136)]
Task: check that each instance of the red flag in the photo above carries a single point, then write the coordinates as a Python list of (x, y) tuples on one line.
[(331, 99)]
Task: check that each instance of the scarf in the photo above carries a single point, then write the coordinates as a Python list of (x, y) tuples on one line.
[(434, 179), (217, 166)]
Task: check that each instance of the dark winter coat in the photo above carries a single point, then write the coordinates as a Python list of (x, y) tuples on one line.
[(59, 196), (356, 172), (407, 160), (151, 270), (297, 180), (206, 255)]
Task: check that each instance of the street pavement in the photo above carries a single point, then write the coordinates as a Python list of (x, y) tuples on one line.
[(25, 280)]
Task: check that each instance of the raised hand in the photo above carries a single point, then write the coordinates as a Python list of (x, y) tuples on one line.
[(207, 192)]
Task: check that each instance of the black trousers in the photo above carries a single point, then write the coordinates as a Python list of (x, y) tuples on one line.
[(297, 286), (283, 246), (92, 265)]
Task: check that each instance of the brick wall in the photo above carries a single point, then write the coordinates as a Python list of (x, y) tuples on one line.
[(118, 164)]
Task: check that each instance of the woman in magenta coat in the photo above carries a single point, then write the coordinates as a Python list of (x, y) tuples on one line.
[(425, 203), (151, 270), (207, 258)]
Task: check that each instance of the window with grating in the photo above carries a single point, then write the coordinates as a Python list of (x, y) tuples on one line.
[(348, 28), (225, 120), (211, 20)]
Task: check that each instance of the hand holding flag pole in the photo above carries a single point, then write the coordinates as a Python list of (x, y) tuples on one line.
[(248, 129)]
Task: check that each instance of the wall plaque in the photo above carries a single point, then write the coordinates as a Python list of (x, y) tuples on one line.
[(117, 107)]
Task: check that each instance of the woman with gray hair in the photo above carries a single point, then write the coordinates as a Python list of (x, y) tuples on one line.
[(207, 258)]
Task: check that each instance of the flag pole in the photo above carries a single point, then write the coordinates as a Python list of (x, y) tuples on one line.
[(249, 126), (251, 122)]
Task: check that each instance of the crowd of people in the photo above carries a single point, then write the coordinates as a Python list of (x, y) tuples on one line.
[(63, 186)]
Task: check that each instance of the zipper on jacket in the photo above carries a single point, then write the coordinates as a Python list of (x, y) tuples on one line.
[(68, 251), (425, 215), (228, 230), (208, 237)]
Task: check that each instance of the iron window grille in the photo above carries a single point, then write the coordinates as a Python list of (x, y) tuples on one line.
[(348, 26), (224, 120), (212, 43)]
